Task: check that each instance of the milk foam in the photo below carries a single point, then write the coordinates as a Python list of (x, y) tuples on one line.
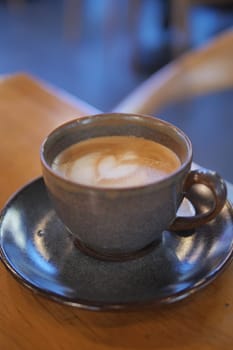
[(116, 166)]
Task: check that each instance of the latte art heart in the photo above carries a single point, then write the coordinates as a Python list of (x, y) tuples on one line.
[(110, 167), (116, 162)]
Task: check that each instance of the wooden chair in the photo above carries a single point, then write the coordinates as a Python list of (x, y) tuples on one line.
[(209, 68)]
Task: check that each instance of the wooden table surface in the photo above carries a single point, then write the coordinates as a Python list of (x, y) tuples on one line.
[(28, 111)]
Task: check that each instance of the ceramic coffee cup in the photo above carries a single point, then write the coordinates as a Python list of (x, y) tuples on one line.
[(117, 223)]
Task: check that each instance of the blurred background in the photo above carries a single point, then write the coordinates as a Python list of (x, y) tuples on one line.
[(101, 50)]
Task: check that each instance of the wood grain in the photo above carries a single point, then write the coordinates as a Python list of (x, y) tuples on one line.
[(28, 111)]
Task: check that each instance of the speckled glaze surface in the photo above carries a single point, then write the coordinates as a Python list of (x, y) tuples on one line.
[(39, 251), (116, 221)]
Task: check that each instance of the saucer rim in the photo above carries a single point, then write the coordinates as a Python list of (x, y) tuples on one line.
[(107, 306)]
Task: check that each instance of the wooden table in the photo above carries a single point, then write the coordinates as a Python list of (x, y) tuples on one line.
[(28, 111)]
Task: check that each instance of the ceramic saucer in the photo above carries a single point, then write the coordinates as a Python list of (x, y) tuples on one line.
[(38, 250)]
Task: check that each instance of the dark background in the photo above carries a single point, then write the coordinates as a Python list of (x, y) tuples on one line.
[(100, 50)]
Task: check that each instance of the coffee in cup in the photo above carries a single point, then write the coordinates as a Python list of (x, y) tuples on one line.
[(116, 162), (109, 213)]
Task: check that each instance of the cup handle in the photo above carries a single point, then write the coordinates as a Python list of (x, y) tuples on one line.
[(217, 186)]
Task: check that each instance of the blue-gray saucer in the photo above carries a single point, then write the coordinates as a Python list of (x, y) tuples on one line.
[(38, 250)]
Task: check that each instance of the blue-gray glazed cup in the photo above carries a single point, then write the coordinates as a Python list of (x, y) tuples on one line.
[(117, 224)]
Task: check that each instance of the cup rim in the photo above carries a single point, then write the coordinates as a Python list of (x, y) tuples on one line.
[(88, 119)]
